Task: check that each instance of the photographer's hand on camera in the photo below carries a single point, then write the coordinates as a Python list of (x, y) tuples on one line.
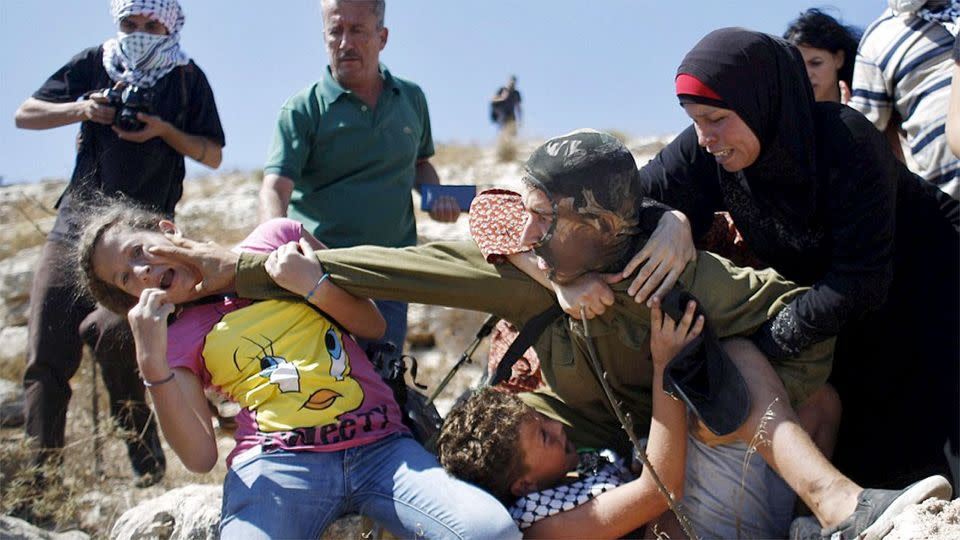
[(97, 108), (196, 147), (38, 114), (153, 126)]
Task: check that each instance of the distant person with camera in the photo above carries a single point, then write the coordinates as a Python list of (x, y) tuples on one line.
[(142, 105), (349, 148)]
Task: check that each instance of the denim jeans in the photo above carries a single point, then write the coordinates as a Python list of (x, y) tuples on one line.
[(394, 481)]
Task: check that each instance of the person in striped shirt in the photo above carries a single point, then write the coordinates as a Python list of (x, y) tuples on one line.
[(901, 82)]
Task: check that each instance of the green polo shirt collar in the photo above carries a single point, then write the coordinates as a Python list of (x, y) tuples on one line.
[(331, 90)]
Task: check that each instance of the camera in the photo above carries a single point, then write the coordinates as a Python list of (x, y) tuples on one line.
[(128, 101)]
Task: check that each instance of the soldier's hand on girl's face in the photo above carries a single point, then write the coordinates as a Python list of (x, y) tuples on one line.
[(294, 267), (216, 264)]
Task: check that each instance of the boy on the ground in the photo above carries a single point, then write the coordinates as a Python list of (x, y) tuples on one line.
[(555, 490)]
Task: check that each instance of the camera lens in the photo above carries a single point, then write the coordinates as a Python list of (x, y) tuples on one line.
[(127, 120), (133, 100)]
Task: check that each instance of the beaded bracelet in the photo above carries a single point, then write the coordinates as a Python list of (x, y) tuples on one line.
[(165, 380), (315, 287)]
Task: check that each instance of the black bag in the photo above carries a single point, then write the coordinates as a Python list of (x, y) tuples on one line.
[(421, 418)]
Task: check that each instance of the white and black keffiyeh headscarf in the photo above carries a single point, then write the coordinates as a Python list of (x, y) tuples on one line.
[(945, 12), (141, 59), (599, 472)]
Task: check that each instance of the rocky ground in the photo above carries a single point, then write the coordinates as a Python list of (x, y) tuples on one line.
[(96, 491)]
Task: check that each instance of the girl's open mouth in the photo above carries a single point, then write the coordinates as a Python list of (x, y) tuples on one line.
[(167, 279)]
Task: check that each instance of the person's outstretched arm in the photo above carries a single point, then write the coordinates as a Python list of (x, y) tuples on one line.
[(294, 268), (452, 274), (39, 114), (591, 291)]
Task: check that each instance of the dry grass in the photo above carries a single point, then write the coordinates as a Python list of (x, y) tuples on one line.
[(506, 150), (26, 215), (456, 155), (760, 438), (80, 495), (223, 182)]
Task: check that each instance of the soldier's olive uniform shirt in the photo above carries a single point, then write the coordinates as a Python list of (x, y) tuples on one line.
[(353, 166), (455, 274)]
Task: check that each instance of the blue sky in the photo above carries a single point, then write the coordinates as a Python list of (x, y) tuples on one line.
[(607, 64)]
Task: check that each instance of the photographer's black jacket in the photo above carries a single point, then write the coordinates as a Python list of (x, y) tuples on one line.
[(151, 172)]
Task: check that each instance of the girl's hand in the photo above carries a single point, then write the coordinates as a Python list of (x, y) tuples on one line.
[(667, 338), (663, 258), (294, 267), (590, 291), (148, 321)]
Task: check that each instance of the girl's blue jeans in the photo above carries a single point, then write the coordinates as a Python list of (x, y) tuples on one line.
[(393, 481)]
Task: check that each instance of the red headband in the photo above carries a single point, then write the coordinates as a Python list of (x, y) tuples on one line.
[(691, 86)]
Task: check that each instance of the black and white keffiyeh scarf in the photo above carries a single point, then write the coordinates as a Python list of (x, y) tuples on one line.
[(945, 12), (141, 59), (598, 471)]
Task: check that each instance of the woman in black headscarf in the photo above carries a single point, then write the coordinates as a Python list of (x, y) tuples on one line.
[(817, 195)]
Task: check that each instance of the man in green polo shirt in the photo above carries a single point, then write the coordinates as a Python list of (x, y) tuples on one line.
[(349, 148)]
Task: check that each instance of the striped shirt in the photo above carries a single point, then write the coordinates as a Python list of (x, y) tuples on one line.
[(904, 65)]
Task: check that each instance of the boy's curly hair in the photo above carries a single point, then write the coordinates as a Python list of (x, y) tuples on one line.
[(480, 441)]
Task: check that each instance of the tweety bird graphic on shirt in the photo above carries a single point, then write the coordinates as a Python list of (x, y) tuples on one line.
[(287, 365)]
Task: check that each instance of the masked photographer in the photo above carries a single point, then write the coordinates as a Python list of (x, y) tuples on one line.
[(142, 105)]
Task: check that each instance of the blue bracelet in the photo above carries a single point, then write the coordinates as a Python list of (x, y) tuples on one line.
[(317, 286)]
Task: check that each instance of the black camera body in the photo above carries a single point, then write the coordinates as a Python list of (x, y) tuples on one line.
[(128, 101)]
